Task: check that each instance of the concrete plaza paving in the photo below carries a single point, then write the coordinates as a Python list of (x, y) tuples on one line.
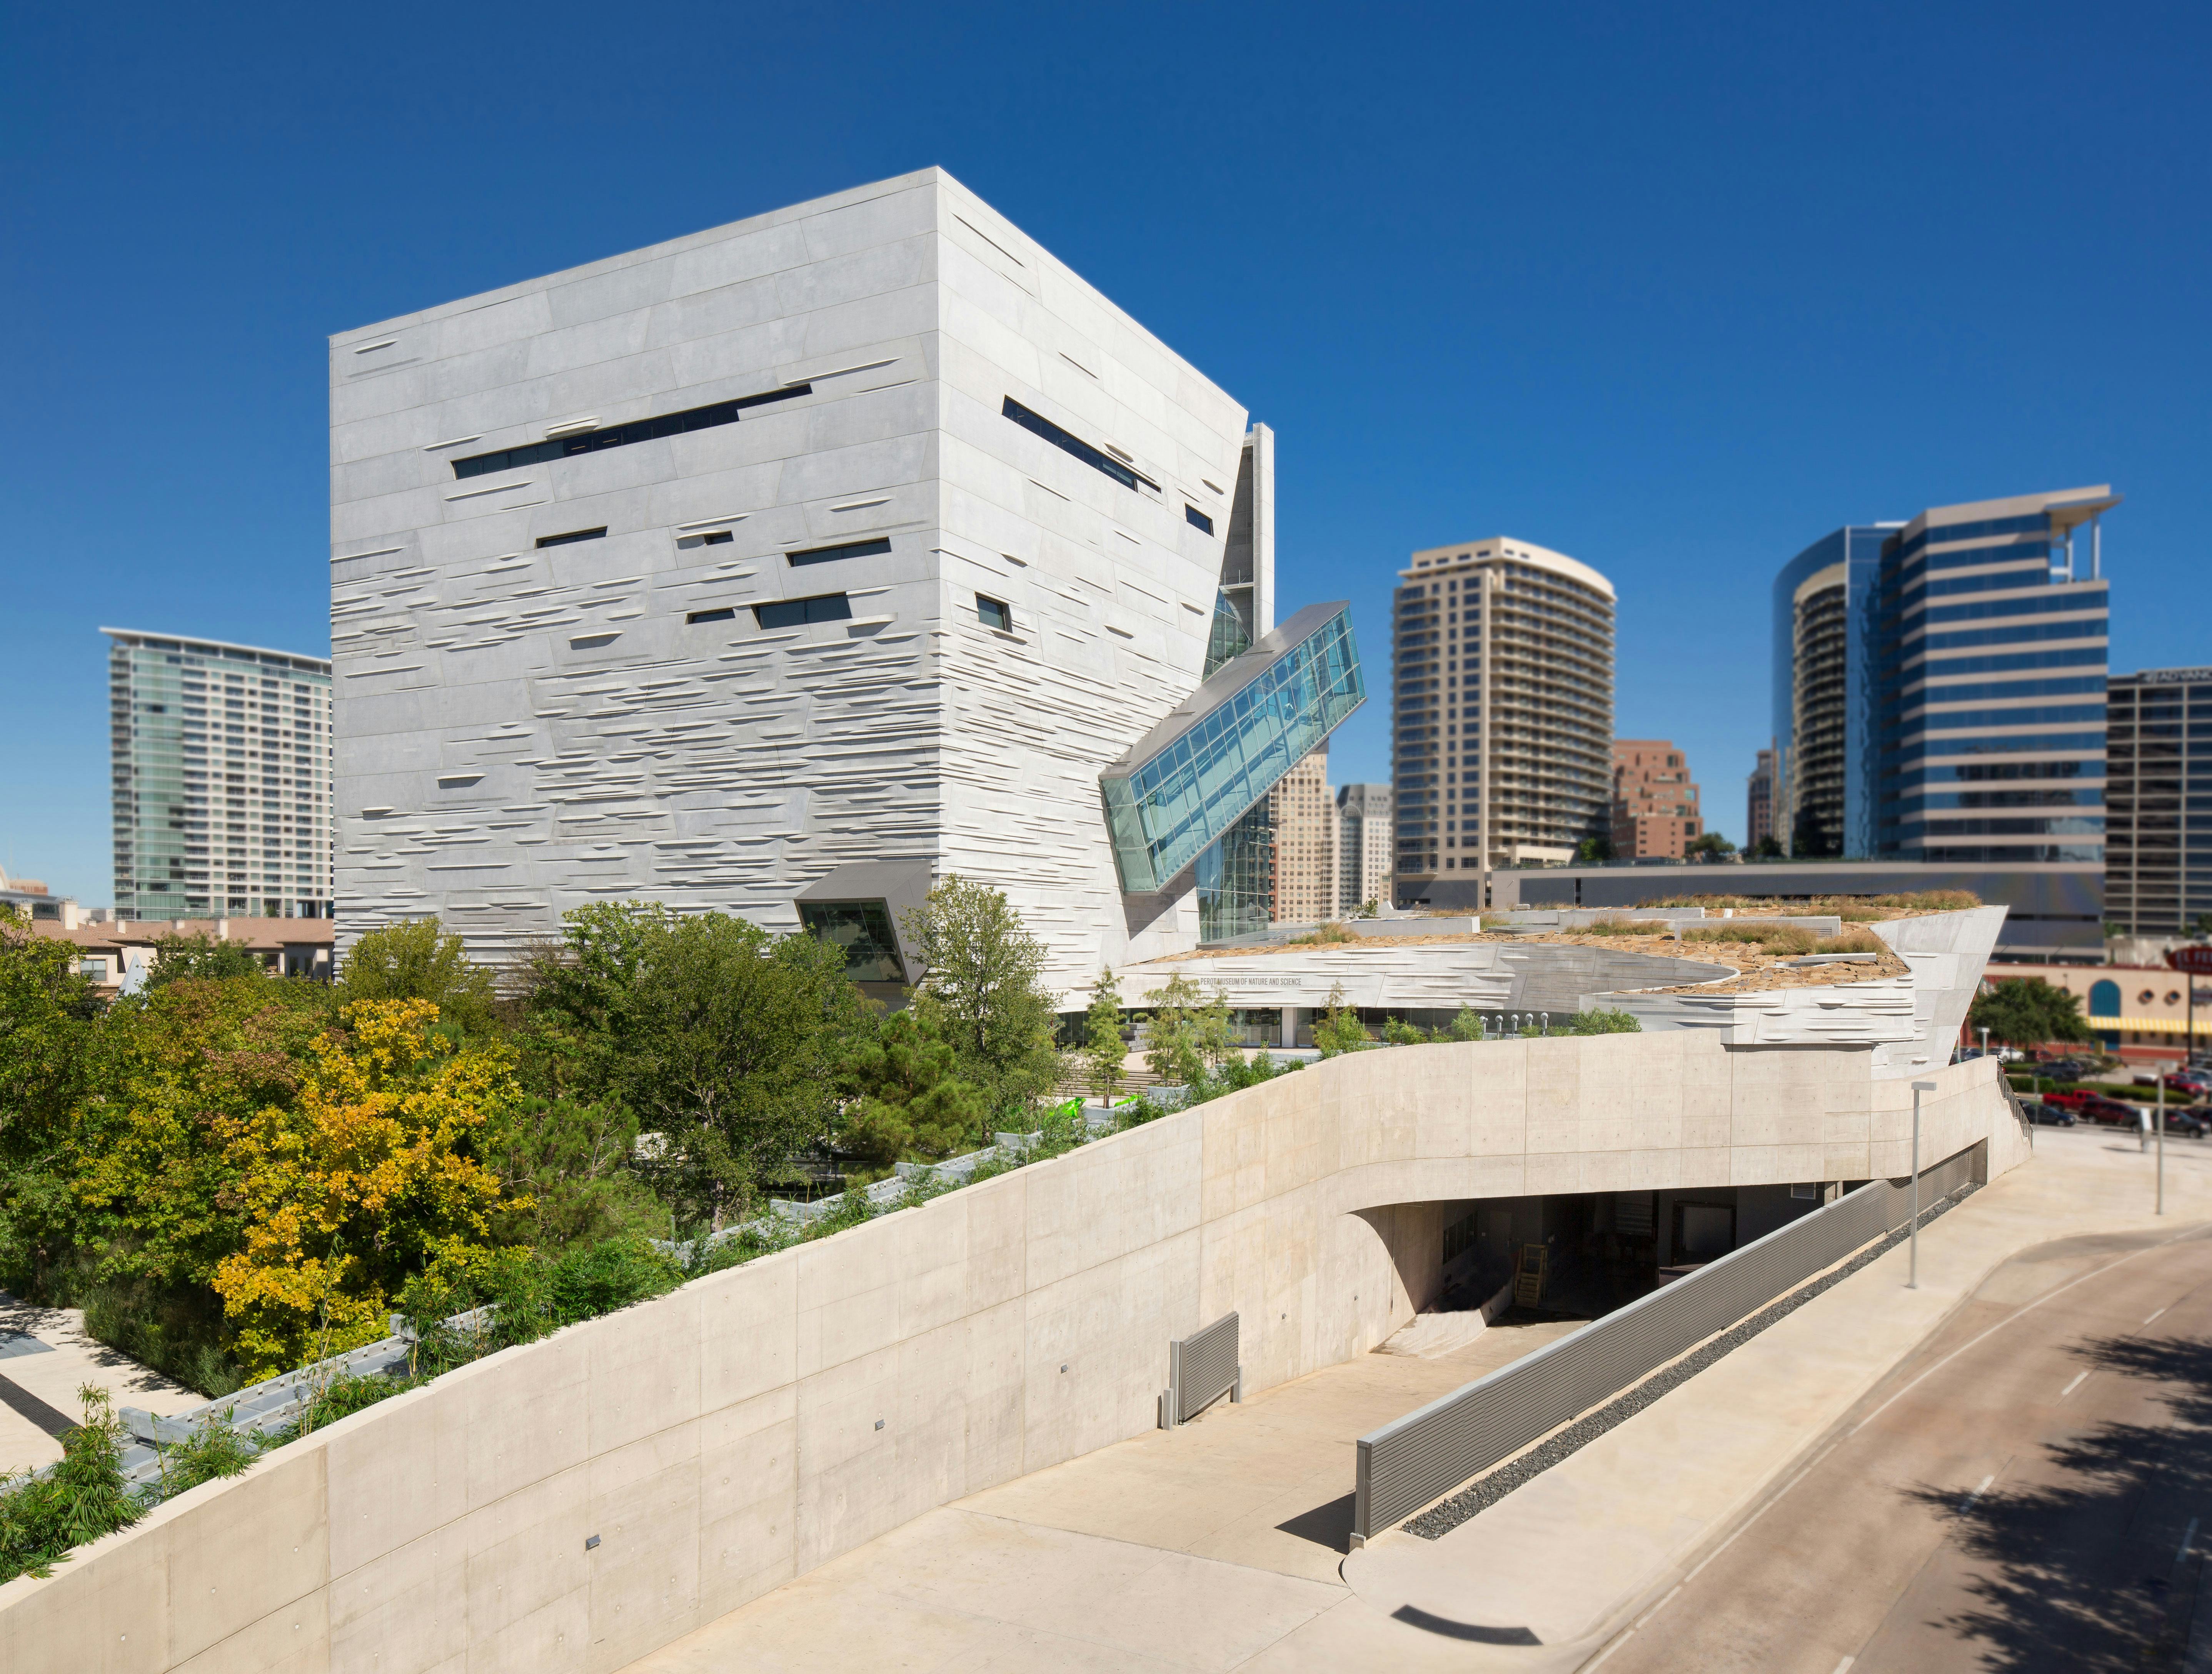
[(1221, 1546), (46, 1356)]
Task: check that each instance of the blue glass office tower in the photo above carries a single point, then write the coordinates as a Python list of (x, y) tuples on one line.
[(1822, 709), (1941, 697)]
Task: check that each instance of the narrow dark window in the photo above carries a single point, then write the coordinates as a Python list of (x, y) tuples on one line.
[(994, 613), (1037, 424), (720, 537), (621, 435), (727, 614), (797, 612), (851, 549), (1197, 518), (572, 536)]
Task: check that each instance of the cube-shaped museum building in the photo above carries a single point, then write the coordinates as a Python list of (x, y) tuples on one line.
[(788, 568)]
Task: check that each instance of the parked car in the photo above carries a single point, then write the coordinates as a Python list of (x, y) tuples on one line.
[(2071, 1099), (2108, 1112), (2190, 1122), (2044, 1115), (2194, 1083)]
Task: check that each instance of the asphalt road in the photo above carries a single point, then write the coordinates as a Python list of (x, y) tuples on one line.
[(2032, 1490)]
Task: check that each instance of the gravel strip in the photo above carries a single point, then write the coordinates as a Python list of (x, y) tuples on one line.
[(1441, 1518)]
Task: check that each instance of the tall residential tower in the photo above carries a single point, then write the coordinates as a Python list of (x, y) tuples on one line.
[(1502, 730), (221, 760)]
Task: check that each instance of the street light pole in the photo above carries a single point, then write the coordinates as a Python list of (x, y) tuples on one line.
[(2161, 1141)]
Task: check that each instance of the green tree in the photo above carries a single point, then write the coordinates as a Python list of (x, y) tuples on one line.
[(1593, 851), (1466, 1024), (1175, 1037), (47, 1013), (982, 991), (906, 1101), (1103, 1049), (169, 1067), (2028, 1011), (1708, 845), (201, 958), (417, 960), (565, 1176), (1339, 1029), (1400, 1032), (737, 1037), (1768, 847)]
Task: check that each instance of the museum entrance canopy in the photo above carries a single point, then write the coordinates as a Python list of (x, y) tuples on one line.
[(1225, 747)]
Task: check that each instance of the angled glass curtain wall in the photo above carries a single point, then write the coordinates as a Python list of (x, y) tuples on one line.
[(1175, 796)]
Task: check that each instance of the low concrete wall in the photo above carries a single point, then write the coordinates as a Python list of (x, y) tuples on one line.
[(752, 1425)]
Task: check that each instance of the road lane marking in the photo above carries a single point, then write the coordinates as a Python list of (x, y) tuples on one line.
[(1813, 1464), (2187, 1541), (2047, 1296), (1967, 1504), (2154, 1316)]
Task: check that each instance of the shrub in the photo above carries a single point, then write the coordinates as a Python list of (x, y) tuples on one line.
[(79, 1499), (1323, 934), (1601, 1022), (1624, 927)]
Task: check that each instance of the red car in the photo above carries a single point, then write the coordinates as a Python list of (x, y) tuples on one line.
[(2109, 1112), (2072, 1098)]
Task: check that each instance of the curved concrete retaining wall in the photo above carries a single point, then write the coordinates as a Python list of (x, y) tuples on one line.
[(750, 1426)]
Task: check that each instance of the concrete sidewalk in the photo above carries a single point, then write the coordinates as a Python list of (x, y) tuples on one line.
[(45, 1355), (1220, 1546)]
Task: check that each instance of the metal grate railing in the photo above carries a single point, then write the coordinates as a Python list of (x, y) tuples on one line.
[(1413, 1460), (1201, 1368)]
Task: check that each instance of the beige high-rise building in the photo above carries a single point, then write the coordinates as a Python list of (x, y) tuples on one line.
[(1502, 723), (1304, 811), (1364, 850)]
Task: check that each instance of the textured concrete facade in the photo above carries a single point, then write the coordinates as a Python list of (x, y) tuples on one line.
[(523, 728), (748, 1427)]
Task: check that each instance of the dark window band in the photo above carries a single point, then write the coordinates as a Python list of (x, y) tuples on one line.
[(720, 537), (573, 536), (1037, 424), (727, 614), (851, 549), (797, 612), (621, 435), (1197, 518)]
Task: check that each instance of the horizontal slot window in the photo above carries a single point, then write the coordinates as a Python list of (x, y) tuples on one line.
[(797, 612), (573, 536), (621, 435), (720, 537), (851, 549), (727, 614), (994, 613), (1197, 518), (1097, 459)]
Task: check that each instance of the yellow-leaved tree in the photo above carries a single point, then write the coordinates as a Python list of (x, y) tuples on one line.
[(366, 1182)]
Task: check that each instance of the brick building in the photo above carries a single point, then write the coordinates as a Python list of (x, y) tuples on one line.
[(1655, 806)]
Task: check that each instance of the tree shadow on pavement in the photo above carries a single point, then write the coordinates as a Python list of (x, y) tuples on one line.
[(2085, 1572)]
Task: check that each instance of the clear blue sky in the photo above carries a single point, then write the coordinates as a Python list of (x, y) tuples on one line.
[(1672, 290)]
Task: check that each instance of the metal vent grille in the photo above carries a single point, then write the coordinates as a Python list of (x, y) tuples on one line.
[(1413, 1460), (1201, 1369)]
